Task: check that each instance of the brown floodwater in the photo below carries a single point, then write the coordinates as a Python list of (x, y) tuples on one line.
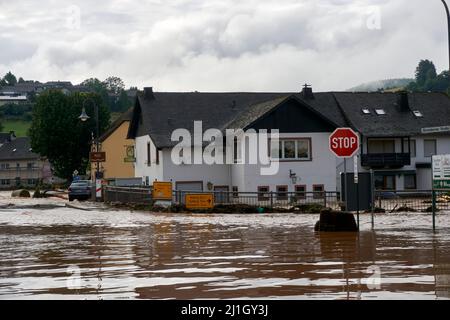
[(64, 253)]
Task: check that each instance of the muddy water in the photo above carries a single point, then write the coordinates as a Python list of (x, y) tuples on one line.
[(64, 253)]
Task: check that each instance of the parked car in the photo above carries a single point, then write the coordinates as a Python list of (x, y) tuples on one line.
[(388, 195), (81, 190)]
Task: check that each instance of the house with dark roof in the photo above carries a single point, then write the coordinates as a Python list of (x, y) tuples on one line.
[(119, 164), (396, 131), (19, 165)]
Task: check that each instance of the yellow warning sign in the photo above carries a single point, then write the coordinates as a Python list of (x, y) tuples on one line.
[(199, 201), (162, 190)]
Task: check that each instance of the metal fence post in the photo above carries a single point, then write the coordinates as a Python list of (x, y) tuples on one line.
[(433, 208), (271, 199)]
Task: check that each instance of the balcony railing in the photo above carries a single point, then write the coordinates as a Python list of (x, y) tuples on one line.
[(385, 159)]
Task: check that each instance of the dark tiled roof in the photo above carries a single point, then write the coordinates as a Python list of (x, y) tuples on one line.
[(435, 108), (323, 105), (126, 116), (169, 111), (17, 149), (4, 137)]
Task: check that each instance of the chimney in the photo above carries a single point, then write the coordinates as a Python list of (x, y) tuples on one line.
[(402, 101), (148, 93), (307, 92)]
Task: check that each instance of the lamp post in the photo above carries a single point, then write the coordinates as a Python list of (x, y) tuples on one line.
[(84, 117), (448, 28)]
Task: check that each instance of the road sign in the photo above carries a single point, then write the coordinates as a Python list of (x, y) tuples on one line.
[(344, 142), (355, 169), (129, 151), (97, 156), (441, 171), (199, 201), (162, 190)]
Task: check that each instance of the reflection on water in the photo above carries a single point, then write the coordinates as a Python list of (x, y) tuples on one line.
[(65, 253)]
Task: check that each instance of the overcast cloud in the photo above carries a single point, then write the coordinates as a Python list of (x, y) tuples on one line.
[(222, 45)]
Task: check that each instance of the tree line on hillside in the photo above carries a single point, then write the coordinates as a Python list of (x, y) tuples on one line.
[(427, 79), (112, 90), (10, 79)]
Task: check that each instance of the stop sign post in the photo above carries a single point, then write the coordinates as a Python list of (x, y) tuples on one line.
[(344, 143)]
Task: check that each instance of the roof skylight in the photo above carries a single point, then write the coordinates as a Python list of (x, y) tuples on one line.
[(418, 114), (365, 111), (380, 112)]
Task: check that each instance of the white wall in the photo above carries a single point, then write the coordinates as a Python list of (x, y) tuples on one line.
[(217, 174), (142, 169), (321, 170), (247, 177)]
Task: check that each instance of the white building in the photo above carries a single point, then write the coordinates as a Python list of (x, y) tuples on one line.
[(390, 126)]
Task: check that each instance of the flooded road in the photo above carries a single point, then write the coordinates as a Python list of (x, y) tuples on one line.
[(64, 253)]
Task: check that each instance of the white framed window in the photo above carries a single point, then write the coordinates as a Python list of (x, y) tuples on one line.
[(292, 149)]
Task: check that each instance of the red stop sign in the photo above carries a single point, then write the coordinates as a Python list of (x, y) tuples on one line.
[(344, 142)]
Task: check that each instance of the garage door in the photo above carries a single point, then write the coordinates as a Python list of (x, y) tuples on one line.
[(189, 186), (186, 187)]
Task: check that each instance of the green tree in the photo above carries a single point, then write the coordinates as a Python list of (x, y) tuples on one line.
[(123, 102), (94, 84), (21, 80), (114, 85), (57, 133), (425, 71), (10, 79)]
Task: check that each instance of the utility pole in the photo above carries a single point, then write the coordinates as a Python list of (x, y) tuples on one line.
[(448, 29)]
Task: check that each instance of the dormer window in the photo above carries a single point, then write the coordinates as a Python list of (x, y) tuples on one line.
[(418, 114), (366, 111), (380, 112)]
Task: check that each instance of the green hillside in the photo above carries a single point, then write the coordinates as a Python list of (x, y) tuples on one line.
[(381, 84), (20, 127)]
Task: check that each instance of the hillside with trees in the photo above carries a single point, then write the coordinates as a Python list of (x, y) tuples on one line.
[(426, 79), (17, 115)]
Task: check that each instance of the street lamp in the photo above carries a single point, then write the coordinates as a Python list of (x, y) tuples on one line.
[(448, 28), (84, 117)]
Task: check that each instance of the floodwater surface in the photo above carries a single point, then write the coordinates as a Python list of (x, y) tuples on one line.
[(64, 253)]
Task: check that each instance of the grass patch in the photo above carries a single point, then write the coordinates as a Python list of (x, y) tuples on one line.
[(20, 127)]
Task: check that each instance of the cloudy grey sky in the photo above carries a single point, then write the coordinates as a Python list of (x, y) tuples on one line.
[(222, 45)]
